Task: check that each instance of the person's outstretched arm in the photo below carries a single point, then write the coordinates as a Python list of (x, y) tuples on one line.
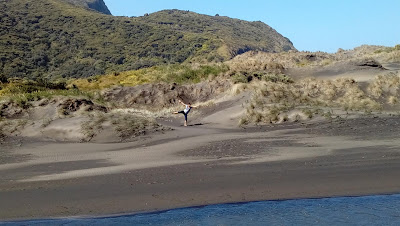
[(182, 102)]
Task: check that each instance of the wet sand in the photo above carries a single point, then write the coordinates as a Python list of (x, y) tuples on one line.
[(202, 165)]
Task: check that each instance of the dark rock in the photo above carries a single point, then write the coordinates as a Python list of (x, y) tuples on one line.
[(370, 63), (311, 57)]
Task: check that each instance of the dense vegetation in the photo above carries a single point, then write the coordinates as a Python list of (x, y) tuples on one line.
[(54, 39)]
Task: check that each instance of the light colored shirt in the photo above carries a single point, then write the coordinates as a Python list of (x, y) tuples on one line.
[(187, 109)]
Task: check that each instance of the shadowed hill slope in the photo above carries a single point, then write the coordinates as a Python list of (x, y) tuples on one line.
[(97, 5), (54, 39)]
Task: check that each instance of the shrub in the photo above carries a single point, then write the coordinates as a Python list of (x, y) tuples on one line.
[(277, 78), (239, 78), (3, 79), (392, 100), (308, 113)]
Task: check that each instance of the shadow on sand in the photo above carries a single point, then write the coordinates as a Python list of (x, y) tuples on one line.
[(197, 124)]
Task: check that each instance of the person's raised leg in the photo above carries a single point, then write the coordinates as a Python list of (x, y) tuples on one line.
[(178, 112)]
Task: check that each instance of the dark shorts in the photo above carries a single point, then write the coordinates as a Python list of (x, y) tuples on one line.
[(185, 114)]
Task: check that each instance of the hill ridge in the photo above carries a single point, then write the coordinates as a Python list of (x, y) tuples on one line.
[(97, 5), (54, 39)]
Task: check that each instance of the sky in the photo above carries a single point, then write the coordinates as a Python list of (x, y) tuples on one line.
[(312, 25)]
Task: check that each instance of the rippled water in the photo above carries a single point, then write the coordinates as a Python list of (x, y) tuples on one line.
[(369, 210)]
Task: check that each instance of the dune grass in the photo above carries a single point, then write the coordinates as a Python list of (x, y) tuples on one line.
[(128, 126), (125, 125), (9, 127), (274, 102), (94, 125), (275, 62), (384, 85), (177, 73)]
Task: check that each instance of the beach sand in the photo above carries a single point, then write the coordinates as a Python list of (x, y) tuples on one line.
[(202, 164)]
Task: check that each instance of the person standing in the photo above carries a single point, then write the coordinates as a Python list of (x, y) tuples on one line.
[(185, 111)]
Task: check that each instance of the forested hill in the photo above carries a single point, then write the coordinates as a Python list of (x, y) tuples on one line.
[(55, 39)]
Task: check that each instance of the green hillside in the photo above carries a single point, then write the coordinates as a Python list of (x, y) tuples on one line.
[(54, 39)]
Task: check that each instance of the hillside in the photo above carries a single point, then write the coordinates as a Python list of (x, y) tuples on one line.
[(54, 39), (97, 5)]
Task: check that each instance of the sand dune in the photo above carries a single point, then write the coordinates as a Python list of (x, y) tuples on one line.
[(213, 160)]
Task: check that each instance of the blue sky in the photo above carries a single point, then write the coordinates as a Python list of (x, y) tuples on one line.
[(312, 25)]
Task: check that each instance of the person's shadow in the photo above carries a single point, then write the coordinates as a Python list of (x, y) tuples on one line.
[(197, 124)]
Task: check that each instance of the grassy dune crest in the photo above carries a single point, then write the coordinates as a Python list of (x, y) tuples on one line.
[(274, 102), (179, 74)]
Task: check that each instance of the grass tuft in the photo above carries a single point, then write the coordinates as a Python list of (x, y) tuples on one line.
[(93, 126)]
